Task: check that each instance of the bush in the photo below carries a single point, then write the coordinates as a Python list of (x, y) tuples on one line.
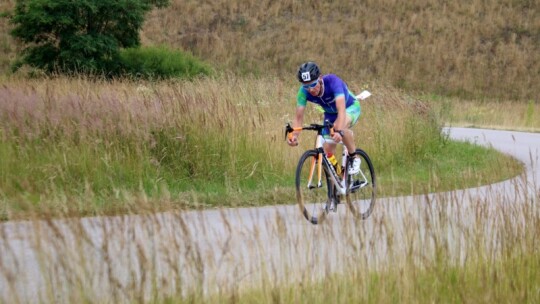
[(78, 36), (161, 62)]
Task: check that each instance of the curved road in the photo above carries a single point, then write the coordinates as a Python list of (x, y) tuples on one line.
[(128, 258)]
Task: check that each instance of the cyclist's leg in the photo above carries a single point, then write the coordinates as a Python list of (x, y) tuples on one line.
[(329, 148), (353, 113)]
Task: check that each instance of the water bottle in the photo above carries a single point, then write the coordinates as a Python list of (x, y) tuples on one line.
[(333, 160)]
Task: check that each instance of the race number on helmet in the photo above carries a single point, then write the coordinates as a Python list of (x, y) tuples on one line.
[(308, 71)]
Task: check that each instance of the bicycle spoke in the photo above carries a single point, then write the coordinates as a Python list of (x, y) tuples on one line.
[(316, 183), (362, 188), (312, 197)]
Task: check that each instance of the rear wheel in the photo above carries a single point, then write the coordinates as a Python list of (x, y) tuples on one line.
[(362, 188), (312, 194)]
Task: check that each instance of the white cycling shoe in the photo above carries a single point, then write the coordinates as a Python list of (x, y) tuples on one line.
[(354, 167)]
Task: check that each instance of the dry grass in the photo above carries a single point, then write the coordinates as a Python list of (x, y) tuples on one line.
[(101, 140), (441, 248), (505, 115), (469, 49), (81, 147), (484, 252)]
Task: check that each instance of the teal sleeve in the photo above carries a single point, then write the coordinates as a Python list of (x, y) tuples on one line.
[(301, 98), (351, 93)]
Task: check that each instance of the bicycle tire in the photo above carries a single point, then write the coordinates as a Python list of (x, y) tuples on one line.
[(312, 199), (361, 195)]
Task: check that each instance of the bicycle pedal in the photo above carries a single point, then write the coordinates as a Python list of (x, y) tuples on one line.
[(333, 207), (358, 185), (330, 206)]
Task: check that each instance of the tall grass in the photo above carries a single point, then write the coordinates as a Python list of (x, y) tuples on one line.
[(83, 138), (440, 248), (76, 146), (502, 114), (471, 49)]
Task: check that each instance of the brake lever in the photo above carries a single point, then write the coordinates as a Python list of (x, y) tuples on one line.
[(288, 129)]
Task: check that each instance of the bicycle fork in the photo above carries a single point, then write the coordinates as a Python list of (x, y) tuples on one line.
[(319, 172), (339, 183)]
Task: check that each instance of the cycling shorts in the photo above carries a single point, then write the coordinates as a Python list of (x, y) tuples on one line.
[(353, 112)]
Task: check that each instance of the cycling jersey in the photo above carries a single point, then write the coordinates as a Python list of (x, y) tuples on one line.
[(333, 88)]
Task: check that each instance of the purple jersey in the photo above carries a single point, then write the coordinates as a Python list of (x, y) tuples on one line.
[(333, 88)]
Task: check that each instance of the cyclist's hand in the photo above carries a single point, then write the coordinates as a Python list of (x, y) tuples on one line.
[(292, 140), (337, 137)]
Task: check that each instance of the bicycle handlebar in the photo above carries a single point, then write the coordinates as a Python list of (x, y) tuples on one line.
[(312, 127), (316, 127)]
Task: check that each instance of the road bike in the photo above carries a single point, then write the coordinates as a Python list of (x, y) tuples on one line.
[(321, 186)]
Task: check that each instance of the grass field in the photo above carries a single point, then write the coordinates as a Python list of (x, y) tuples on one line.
[(72, 147), (473, 49), (82, 147), (442, 250), (506, 115)]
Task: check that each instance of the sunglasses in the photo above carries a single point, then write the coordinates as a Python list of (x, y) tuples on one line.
[(310, 85)]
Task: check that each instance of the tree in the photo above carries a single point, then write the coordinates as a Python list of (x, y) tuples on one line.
[(85, 36)]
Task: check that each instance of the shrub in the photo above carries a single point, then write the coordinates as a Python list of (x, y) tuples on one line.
[(161, 62), (78, 36)]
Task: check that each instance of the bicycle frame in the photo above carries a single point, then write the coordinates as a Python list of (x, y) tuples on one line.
[(313, 188), (340, 182)]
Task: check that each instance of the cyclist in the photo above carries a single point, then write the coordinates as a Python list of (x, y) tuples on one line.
[(340, 107)]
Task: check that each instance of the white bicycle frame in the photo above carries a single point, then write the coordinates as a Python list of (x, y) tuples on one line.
[(339, 182)]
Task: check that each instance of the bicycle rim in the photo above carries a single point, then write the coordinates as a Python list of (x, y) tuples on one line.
[(362, 188), (312, 196)]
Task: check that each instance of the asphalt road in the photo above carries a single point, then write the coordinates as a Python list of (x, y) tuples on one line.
[(132, 258)]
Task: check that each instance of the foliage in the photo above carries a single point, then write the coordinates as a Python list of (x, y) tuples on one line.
[(161, 62), (78, 36)]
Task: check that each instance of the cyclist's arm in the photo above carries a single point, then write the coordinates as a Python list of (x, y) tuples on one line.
[(298, 118), (341, 121), (301, 102)]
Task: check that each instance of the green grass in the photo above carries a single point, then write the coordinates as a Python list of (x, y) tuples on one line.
[(80, 147), (43, 173), (454, 165), (160, 62), (77, 147)]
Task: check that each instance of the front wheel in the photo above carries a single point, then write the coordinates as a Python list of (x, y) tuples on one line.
[(362, 188), (312, 191)]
